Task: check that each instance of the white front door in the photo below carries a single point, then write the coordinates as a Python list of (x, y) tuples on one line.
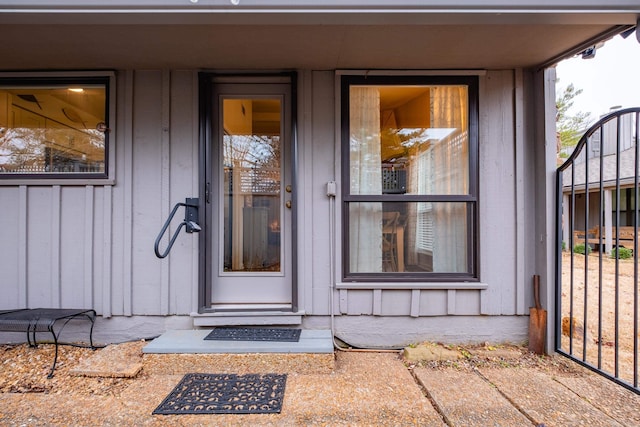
[(250, 196)]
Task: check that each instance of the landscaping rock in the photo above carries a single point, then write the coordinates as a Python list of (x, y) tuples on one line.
[(428, 352)]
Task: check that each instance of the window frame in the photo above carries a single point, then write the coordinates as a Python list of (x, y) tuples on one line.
[(107, 78), (471, 199)]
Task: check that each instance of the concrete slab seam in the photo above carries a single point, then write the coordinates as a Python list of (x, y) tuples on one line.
[(587, 400), (431, 399), (509, 399)]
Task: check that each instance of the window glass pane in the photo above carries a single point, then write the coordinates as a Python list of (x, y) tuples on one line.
[(252, 159), (409, 140), (53, 128), (408, 237)]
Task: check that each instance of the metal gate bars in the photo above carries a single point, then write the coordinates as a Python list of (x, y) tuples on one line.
[(597, 270)]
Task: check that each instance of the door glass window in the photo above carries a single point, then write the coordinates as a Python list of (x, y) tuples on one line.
[(252, 185)]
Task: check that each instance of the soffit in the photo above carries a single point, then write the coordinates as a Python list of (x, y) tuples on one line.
[(294, 41)]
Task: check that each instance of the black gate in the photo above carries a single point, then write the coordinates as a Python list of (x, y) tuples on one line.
[(597, 249)]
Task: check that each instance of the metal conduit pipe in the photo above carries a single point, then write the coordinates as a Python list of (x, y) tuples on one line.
[(332, 287)]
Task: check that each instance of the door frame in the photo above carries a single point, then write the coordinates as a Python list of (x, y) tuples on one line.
[(205, 177)]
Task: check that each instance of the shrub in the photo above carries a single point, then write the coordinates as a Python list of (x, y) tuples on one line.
[(621, 253), (580, 248)]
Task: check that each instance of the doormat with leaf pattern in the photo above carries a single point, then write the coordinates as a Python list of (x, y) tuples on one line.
[(254, 334), (225, 394)]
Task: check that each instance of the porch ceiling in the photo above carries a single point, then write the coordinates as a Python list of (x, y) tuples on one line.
[(387, 41)]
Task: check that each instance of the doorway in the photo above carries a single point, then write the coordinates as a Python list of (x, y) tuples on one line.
[(249, 193)]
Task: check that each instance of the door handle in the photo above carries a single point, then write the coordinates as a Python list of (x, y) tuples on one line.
[(288, 204)]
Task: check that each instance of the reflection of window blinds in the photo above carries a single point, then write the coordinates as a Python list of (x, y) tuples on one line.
[(424, 232)]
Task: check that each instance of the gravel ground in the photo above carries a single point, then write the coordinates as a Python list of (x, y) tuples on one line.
[(620, 273), (480, 386), (364, 389)]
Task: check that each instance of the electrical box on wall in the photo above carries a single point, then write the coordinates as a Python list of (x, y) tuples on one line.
[(331, 189)]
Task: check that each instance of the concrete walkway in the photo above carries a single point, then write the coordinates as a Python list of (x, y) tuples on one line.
[(510, 387), (469, 387), (527, 396)]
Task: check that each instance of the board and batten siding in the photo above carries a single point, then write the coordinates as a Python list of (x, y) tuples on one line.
[(92, 246), (502, 231), (54, 245)]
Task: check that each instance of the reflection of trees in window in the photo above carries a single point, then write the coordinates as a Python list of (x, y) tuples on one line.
[(35, 150), (251, 150), (21, 150), (49, 126)]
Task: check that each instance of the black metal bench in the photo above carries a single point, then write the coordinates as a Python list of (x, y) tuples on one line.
[(43, 320)]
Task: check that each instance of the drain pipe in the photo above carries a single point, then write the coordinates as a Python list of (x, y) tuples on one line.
[(331, 193)]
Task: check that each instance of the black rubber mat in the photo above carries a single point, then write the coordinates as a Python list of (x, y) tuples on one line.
[(254, 334), (225, 394)]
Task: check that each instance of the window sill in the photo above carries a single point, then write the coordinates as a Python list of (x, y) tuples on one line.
[(17, 182), (412, 285)]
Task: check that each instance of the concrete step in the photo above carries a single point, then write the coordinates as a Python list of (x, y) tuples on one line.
[(192, 341), (186, 351), (248, 318)]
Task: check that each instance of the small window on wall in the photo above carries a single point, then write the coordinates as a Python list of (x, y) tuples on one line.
[(54, 127), (409, 150)]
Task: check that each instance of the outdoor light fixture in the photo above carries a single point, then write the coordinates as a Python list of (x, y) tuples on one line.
[(589, 53)]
